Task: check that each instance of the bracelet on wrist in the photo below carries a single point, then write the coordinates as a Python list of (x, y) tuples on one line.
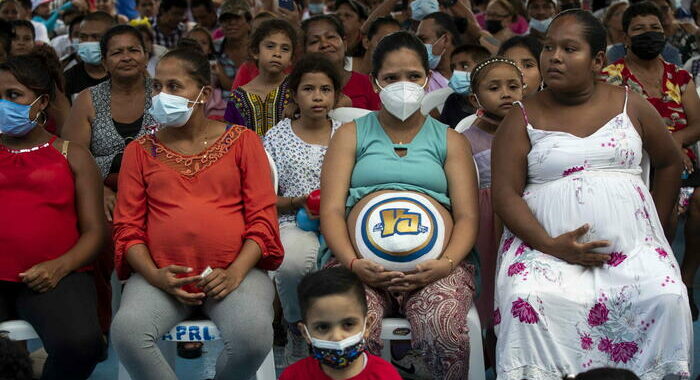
[(452, 263), (352, 262)]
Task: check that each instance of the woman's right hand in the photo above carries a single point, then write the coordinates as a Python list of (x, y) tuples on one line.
[(110, 199), (567, 247), (374, 274), (166, 280)]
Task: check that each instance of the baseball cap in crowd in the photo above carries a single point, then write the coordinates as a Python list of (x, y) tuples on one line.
[(235, 8)]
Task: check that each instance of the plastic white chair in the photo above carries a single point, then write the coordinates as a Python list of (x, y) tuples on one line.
[(200, 331), (435, 99), (347, 114), (465, 123), (18, 330), (399, 329)]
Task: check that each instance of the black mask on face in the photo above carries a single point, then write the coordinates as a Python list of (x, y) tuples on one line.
[(494, 26), (648, 45)]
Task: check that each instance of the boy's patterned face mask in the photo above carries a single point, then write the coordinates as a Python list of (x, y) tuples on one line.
[(340, 354)]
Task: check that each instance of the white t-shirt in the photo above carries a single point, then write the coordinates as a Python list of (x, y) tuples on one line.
[(40, 31)]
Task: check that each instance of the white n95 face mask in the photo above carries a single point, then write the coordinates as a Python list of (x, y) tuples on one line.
[(172, 110), (402, 99)]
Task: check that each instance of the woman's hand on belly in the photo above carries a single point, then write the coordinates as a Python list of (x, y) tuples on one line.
[(568, 248), (374, 274), (219, 283), (426, 273), (166, 279)]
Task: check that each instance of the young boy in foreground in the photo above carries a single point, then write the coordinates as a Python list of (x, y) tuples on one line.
[(334, 320)]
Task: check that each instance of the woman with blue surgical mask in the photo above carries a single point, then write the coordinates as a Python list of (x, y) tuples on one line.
[(51, 227), (195, 229), (398, 149)]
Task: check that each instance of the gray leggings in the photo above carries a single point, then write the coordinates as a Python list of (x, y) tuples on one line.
[(244, 319)]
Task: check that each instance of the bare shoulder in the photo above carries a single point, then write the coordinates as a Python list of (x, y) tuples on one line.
[(345, 131), (456, 142)]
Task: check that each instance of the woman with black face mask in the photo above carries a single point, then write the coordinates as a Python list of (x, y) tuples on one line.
[(671, 90)]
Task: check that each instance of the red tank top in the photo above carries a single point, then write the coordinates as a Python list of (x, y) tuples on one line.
[(38, 218)]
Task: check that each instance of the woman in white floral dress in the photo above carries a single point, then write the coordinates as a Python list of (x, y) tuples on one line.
[(586, 277)]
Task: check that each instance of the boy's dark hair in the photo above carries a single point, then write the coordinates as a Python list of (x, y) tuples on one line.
[(328, 282), (607, 374), (14, 361), (269, 27), (477, 52), (530, 43), (314, 63), (644, 8), (378, 23)]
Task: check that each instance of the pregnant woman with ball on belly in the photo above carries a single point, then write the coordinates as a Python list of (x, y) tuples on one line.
[(395, 186)]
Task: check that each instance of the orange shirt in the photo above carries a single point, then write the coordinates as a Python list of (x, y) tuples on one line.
[(196, 211)]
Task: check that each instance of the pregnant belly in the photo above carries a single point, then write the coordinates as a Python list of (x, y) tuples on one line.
[(617, 210)]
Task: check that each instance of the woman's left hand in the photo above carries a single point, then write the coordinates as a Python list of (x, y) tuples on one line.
[(425, 274), (220, 282), (44, 276)]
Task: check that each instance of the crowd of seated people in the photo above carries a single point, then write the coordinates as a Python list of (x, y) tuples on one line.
[(199, 155)]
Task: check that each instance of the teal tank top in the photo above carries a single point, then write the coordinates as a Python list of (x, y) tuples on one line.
[(378, 167)]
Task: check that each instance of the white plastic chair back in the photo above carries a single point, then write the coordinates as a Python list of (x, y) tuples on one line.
[(400, 329), (18, 330), (347, 114), (273, 171), (435, 99), (465, 123)]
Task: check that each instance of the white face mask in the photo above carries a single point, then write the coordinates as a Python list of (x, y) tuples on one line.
[(402, 99), (333, 345), (172, 110)]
